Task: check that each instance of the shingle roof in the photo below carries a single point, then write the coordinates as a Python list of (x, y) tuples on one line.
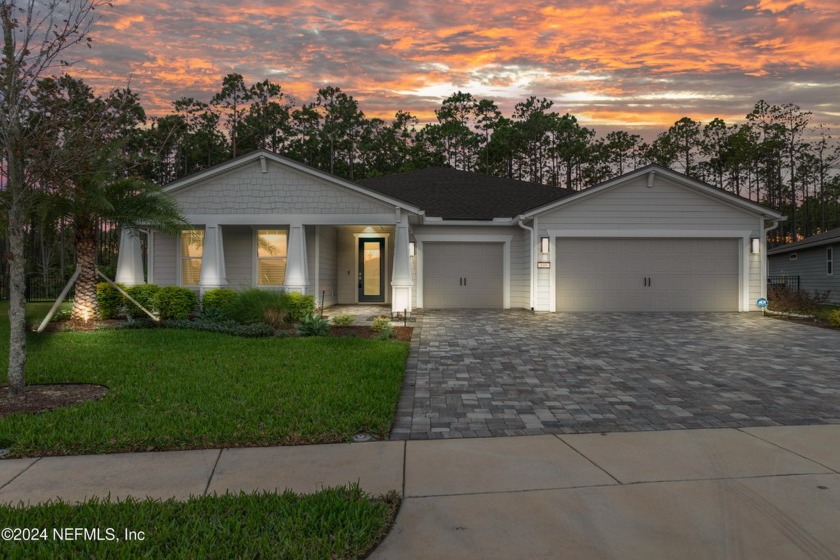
[(461, 195), (824, 238)]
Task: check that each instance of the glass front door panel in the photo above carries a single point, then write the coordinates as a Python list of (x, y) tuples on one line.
[(372, 251)]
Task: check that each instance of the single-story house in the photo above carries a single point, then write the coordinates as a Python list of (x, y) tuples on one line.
[(650, 240), (811, 260)]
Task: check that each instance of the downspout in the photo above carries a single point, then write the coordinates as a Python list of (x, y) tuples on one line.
[(765, 259), (530, 258)]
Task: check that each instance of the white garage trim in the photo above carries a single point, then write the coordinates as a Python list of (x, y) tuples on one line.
[(743, 252), (431, 238)]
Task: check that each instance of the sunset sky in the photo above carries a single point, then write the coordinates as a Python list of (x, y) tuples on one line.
[(630, 64)]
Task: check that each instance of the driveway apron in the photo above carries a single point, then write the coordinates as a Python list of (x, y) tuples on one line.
[(477, 373)]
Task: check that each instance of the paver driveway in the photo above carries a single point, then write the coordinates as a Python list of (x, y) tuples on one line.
[(493, 373)]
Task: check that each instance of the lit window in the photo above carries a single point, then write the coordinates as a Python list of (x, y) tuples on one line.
[(271, 257), (829, 261), (192, 246)]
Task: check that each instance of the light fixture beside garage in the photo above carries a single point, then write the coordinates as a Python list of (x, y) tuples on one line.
[(411, 249), (755, 245), (544, 245)]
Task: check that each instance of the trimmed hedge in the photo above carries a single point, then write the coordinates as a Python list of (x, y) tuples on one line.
[(215, 304), (300, 306), (144, 294), (175, 302), (254, 330), (109, 300)]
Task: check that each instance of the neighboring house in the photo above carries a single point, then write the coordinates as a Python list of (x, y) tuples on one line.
[(650, 240), (812, 260)]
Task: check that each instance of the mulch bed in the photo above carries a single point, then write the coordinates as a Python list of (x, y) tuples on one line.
[(361, 331), (40, 398)]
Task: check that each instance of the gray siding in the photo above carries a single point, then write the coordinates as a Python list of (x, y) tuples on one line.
[(811, 269), (239, 256), (632, 205), (282, 190), (164, 260), (328, 265)]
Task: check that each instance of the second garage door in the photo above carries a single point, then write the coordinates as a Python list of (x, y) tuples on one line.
[(463, 275), (647, 275)]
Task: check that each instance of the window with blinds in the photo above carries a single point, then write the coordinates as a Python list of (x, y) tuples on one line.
[(271, 257), (192, 247)]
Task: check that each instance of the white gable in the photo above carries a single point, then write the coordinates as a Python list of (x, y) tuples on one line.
[(246, 189), (664, 204)]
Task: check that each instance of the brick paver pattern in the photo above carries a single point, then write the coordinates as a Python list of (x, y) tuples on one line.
[(479, 373)]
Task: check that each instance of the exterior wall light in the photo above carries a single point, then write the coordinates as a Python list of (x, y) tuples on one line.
[(755, 245), (411, 249), (544, 245)]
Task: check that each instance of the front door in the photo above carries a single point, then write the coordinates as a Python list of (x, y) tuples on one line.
[(372, 270)]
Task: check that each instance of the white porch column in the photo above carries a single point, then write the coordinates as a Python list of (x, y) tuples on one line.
[(130, 259), (213, 273), (401, 284), (297, 269)]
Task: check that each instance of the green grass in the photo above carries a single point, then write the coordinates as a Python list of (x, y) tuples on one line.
[(333, 523), (182, 389)]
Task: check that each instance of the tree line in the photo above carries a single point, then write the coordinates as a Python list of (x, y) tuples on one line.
[(777, 156)]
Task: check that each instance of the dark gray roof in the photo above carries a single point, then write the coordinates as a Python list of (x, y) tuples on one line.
[(824, 238), (461, 195)]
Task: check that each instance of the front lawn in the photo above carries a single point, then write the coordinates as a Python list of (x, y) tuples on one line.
[(182, 389), (333, 523)]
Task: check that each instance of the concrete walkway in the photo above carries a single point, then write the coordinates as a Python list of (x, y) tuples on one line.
[(763, 493)]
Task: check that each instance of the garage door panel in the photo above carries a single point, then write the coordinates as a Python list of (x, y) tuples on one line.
[(463, 275), (684, 275)]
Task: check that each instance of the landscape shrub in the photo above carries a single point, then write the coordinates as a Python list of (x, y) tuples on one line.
[(342, 320), (300, 305), (260, 306), (215, 304), (803, 302), (834, 318), (175, 302), (109, 299), (312, 325), (145, 296), (381, 323)]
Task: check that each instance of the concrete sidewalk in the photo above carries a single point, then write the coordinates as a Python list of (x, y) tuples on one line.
[(770, 492)]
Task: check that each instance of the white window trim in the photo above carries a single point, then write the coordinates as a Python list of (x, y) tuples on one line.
[(829, 261), (255, 264), (179, 277)]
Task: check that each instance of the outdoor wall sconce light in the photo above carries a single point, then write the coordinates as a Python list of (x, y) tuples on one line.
[(543, 244), (755, 245), (411, 249)]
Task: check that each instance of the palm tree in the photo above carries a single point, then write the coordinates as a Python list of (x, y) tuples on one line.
[(92, 202)]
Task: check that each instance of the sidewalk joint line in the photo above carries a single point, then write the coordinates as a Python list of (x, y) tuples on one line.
[(599, 467), (213, 472), (789, 450), (21, 472)]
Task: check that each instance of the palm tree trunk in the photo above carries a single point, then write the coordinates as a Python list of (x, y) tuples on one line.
[(85, 307)]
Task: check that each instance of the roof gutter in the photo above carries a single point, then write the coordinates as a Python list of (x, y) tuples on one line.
[(520, 222)]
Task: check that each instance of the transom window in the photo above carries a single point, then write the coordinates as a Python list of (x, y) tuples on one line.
[(829, 261), (192, 248), (271, 257)]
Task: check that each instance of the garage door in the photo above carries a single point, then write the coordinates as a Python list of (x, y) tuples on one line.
[(463, 275), (647, 274)]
